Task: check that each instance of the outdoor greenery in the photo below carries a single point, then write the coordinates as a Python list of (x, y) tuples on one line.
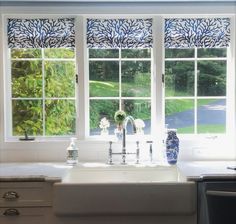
[(43, 92), (43, 87)]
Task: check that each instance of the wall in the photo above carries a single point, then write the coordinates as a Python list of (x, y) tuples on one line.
[(96, 150)]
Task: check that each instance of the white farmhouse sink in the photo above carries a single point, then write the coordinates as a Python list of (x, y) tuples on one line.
[(96, 189), (103, 173)]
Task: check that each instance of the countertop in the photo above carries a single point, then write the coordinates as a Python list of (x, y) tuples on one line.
[(203, 170), (51, 172), (55, 172)]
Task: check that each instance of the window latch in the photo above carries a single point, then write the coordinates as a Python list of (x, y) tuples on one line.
[(77, 78), (163, 78)]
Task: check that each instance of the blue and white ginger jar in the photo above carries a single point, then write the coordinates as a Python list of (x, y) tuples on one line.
[(172, 147)]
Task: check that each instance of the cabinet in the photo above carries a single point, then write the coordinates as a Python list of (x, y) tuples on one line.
[(26, 202)]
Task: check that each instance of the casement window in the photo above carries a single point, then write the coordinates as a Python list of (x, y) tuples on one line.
[(120, 70), (42, 87), (196, 74), (120, 64)]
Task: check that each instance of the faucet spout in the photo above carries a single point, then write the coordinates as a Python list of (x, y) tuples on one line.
[(125, 122)]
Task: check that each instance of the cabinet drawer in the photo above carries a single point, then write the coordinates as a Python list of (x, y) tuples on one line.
[(23, 194), (25, 215)]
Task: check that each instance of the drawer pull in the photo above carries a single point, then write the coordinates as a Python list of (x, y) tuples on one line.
[(11, 212), (10, 195)]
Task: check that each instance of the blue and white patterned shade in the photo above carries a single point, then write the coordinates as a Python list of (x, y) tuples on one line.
[(41, 33), (197, 32), (119, 33)]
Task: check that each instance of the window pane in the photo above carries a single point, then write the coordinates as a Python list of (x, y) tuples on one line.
[(179, 114), (136, 78), (211, 52), (139, 109), (136, 53), (103, 53), (211, 116), (59, 53), (104, 78), (100, 109), (26, 78), (179, 53), (26, 53), (211, 78), (60, 117), (179, 78), (27, 116), (60, 79)]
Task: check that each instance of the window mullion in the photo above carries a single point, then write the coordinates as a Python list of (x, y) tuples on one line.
[(195, 89), (120, 81), (43, 92)]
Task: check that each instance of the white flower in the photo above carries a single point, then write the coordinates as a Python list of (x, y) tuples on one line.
[(104, 123), (139, 123)]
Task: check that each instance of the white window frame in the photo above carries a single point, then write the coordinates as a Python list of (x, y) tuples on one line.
[(157, 113)]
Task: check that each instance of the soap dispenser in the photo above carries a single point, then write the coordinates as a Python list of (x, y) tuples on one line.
[(72, 152)]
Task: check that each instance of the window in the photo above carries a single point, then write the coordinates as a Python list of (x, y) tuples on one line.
[(196, 75), (42, 77), (43, 91), (120, 74), (120, 70), (119, 79)]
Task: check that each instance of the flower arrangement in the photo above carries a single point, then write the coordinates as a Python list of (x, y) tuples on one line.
[(119, 118), (139, 124), (104, 125)]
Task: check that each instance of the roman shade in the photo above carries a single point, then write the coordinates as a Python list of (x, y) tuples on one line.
[(197, 32), (119, 33), (41, 33)]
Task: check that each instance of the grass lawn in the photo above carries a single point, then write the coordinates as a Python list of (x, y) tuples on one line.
[(111, 89), (203, 129)]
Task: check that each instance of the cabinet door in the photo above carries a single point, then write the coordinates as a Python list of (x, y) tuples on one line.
[(35, 215)]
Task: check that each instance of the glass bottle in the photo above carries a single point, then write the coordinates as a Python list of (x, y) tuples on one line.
[(72, 153)]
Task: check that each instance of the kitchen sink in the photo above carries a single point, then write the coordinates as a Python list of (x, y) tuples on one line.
[(100, 189)]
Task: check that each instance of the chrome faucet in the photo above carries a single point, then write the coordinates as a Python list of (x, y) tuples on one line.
[(123, 153), (125, 122)]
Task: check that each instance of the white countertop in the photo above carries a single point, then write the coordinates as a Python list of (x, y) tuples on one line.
[(201, 170), (190, 171), (33, 171)]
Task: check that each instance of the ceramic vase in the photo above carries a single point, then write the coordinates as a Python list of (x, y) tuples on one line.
[(172, 147)]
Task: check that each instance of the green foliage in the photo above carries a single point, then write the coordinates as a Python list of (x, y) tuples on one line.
[(119, 117), (60, 117), (59, 78), (27, 116), (27, 82), (100, 109), (179, 78), (212, 78)]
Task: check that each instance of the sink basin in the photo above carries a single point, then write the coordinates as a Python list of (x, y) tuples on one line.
[(103, 173), (100, 189)]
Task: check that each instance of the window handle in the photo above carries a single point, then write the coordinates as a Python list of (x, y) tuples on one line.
[(77, 78), (163, 78)]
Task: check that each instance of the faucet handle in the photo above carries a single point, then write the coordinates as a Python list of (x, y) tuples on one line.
[(137, 152), (150, 150), (110, 153)]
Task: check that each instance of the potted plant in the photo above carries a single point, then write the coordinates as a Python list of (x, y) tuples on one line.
[(119, 118)]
